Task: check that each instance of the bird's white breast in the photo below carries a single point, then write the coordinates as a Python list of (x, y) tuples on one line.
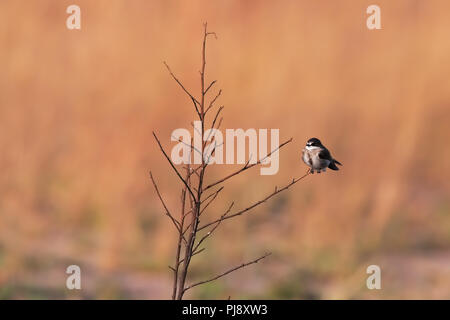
[(306, 157), (311, 148), (311, 158)]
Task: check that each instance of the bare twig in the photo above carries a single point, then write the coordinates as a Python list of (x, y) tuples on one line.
[(227, 272), (195, 252), (172, 165), (195, 101), (211, 104), (222, 217), (210, 85), (215, 194), (214, 123), (294, 181), (175, 222), (247, 166), (180, 238), (188, 145)]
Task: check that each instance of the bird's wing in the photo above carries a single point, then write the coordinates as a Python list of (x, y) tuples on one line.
[(325, 154)]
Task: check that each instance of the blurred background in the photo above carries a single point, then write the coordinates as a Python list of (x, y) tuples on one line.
[(77, 110)]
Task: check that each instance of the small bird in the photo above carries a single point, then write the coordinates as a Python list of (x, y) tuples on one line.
[(317, 157)]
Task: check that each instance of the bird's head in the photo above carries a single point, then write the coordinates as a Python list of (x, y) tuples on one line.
[(313, 142)]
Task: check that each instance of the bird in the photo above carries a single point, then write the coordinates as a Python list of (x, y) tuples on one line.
[(317, 157)]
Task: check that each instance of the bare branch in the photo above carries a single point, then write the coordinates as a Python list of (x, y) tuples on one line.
[(180, 236), (214, 122), (206, 199), (208, 161), (210, 85), (227, 272), (190, 146), (195, 252), (194, 101), (181, 85), (175, 222), (196, 129), (211, 104), (247, 166), (208, 234), (213, 33), (294, 181), (215, 194), (220, 122), (173, 166)]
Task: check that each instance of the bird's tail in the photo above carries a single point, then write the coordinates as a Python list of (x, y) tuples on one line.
[(333, 166)]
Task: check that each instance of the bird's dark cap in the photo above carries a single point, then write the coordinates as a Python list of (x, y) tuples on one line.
[(314, 141)]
